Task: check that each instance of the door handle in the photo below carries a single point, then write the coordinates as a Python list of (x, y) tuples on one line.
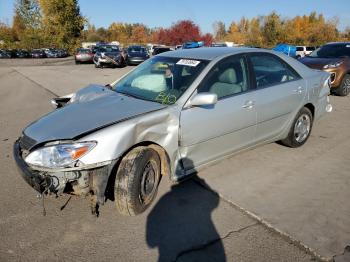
[(249, 104), (299, 90)]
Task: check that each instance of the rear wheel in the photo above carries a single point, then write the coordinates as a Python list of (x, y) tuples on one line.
[(344, 88), (300, 129), (137, 181)]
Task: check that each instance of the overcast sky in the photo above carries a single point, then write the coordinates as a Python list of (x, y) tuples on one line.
[(156, 13)]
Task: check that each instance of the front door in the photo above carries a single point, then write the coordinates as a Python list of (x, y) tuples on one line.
[(210, 132)]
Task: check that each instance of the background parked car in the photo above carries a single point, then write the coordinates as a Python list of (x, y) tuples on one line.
[(21, 53), (84, 55), (159, 50), (136, 54), (304, 51), (335, 59), (51, 53), (189, 45), (109, 55), (62, 53), (289, 50), (4, 54), (218, 45), (37, 53)]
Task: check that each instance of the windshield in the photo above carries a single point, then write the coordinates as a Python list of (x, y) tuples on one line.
[(108, 49), (161, 79), (136, 49), (332, 51)]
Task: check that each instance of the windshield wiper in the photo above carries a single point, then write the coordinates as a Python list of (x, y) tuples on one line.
[(135, 96), (129, 95)]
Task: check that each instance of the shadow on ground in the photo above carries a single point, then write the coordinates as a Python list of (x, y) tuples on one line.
[(181, 223)]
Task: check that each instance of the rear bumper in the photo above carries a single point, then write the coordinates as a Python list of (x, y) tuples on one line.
[(136, 61), (34, 179), (83, 59)]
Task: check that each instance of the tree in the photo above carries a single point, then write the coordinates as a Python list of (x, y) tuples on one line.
[(272, 29), (139, 34), (62, 22), (27, 22), (183, 31), (255, 37), (6, 35), (219, 31), (119, 32)]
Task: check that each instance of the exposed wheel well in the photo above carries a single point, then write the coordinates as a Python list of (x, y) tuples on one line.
[(163, 155), (164, 162), (311, 107)]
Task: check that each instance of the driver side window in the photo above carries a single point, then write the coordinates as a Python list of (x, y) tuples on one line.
[(226, 78)]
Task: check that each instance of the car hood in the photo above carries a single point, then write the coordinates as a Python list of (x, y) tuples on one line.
[(110, 54), (318, 63), (94, 107)]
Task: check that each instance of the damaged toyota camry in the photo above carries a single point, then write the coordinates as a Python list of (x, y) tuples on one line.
[(171, 116)]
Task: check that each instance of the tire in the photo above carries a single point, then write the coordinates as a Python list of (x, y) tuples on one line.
[(344, 88), (300, 129), (137, 181)]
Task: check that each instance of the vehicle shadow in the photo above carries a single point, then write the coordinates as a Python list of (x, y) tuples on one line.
[(180, 224)]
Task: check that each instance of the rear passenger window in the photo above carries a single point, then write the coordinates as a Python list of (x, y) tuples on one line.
[(271, 71)]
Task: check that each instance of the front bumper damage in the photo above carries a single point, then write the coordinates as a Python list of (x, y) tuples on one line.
[(108, 60), (84, 181)]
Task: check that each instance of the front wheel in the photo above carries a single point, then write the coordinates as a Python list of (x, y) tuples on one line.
[(137, 181), (300, 129), (344, 88)]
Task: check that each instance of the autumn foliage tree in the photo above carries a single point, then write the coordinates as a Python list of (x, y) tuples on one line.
[(181, 32), (267, 31)]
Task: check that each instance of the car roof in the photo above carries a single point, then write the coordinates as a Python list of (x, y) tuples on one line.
[(338, 43), (209, 53)]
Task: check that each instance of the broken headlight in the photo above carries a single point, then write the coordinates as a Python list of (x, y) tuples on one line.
[(60, 155)]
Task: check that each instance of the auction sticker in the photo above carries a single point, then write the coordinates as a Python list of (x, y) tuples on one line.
[(188, 62)]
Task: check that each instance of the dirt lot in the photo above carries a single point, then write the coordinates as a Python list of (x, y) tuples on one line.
[(302, 193)]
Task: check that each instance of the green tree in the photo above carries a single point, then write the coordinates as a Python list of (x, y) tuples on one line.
[(272, 29), (27, 23), (219, 31), (62, 22)]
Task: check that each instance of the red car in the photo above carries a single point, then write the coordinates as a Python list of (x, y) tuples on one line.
[(83, 56)]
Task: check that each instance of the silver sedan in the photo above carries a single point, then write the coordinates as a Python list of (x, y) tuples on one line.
[(171, 116)]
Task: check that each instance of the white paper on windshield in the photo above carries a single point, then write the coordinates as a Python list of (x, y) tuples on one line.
[(347, 45), (188, 62)]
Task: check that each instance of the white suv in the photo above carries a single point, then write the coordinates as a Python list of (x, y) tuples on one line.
[(304, 51)]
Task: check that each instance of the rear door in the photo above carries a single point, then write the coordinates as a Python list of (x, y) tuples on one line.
[(280, 92)]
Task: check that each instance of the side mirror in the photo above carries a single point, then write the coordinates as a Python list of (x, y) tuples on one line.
[(204, 99)]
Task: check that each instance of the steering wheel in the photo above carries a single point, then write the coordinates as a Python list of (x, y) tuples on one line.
[(261, 80)]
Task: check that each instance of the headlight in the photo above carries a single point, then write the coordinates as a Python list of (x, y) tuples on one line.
[(60, 155), (333, 65)]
